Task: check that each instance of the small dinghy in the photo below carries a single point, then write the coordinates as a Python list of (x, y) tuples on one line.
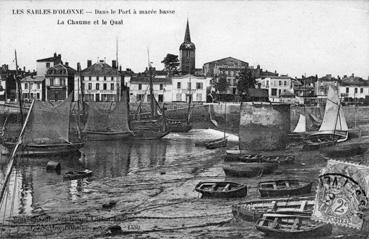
[(252, 210), (221, 189), (248, 169), (217, 144), (285, 187), (232, 156), (291, 226), (71, 175)]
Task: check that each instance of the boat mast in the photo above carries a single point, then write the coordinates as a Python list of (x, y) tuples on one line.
[(19, 86), (12, 157), (151, 86)]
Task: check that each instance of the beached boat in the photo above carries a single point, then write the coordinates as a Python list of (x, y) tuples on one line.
[(346, 150), (217, 144), (72, 175), (252, 210), (248, 169), (178, 126), (334, 127), (221, 189), (107, 121), (203, 143), (283, 188), (291, 226), (233, 156), (47, 131)]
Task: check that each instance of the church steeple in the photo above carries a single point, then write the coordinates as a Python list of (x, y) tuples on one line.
[(187, 53), (187, 37)]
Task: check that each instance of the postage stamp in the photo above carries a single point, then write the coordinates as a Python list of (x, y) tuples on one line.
[(341, 196)]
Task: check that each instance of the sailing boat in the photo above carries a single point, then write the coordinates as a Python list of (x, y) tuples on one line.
[(107, 124), (334, 127), (221, 142), (47, 130), (155, 127), (300, 130)]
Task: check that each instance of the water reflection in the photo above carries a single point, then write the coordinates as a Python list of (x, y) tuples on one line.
[(31, 186)]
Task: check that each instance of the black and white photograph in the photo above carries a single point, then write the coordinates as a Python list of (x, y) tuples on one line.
[(184, 119)]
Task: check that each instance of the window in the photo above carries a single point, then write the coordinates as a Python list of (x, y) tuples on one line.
[(89, 78), (274, 91), (57, 81), (267, 83), (139, 97), (90, 86), (361, 90), (62, 82), (178, 85), (279, 92), (112, 78), (347, 90), (188, 85), (105, 86), (285, 83), (112, 86), (104, 78), (178, 96), (97, 78), (161, 87), (38, 86), (38, 96), (140, 86), (25, 85), (280, 83), (161, 98), (355, 90), (97, 86), (47, 64), (199, 86)]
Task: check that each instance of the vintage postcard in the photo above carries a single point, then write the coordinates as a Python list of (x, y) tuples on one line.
[(184, 119)]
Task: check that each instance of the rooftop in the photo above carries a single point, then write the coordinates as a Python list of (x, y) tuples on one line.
[(99, 69)]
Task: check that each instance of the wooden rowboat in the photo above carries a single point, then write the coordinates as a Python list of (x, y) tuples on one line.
[(248, 169), (221, 189), (252, 210), (232, 156), (285, 187), (72, 175), (291, 226)]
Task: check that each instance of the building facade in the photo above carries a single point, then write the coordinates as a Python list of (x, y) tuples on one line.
[(323, 83), (191, 87), (187, 52), (279, 87), (42, 65), (33, 87), (98, 82), (59, 82)]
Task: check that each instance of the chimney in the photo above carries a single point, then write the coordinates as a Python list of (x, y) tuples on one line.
[(66, 63), (54, 54), (114, 64), (89, 63), (78, 66), (24, 68), (352, 75), (120, 68)]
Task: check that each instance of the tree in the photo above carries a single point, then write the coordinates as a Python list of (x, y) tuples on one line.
[(222, 84), (246, 81), (171, 63)]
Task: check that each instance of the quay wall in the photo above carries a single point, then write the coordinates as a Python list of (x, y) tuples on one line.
[(203, 113), (264, 126)]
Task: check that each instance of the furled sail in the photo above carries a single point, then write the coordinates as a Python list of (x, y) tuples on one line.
[(301, 125), (48, 124), (334, 119), (107, 117)]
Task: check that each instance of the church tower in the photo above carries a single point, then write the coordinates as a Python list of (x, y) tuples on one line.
[(187, 54)]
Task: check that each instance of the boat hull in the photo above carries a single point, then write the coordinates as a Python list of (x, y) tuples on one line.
[(322, 140), (237, 192), (304, 189), (249, 169), (99, 136), (45, 149)]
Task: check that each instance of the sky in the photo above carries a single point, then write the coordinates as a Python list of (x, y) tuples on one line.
[(291, 37)]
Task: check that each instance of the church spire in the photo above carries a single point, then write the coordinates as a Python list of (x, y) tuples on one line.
[(187, 37)]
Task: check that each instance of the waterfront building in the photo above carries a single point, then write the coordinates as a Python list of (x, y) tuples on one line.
[(186, 87), (187, 52), (8, 84), (42, 65), (353, 89), (139, 86), (323, 83), (33, 87), (98, 82), (280, 88), (59, 82)]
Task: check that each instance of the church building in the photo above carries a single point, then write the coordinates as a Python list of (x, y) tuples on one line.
[(187, 54)]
